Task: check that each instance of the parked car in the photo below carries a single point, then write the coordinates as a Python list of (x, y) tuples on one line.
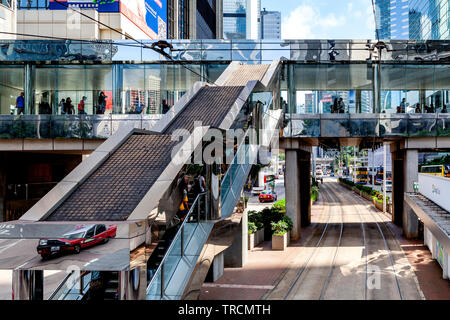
[(83, 236), (388, 186), (267, 196)]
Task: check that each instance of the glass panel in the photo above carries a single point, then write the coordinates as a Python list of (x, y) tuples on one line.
[(11, 86)]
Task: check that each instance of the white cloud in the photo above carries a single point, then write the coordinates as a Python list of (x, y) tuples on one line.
[(327, 20), (299, 24)]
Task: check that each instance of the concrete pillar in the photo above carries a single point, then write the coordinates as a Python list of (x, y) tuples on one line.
[(216, 269), (28, 285), (397, 187), (291, 94), (376, 96), (28, 89), (410, 220), (237, 254), (132, 284), (3, 186), (305, 188), (117, 88), (292, 180)]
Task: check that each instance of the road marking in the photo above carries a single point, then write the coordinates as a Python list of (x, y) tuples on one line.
[(4, 248), (237, 286)]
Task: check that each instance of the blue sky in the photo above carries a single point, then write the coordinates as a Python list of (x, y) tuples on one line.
[(324, 19)]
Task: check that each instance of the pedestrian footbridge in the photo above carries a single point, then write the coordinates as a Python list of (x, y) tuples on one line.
[(134, 181)]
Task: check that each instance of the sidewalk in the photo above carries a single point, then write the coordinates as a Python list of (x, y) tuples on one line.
[(260, 274)]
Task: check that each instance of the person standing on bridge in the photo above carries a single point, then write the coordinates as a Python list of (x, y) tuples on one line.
[(403, 106), (444, 109), (341, 106), (20, 103)]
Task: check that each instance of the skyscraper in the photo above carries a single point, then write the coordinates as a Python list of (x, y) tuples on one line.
[(412, 19), (241, 19), (429, 19), (270, 24), (399, 19)]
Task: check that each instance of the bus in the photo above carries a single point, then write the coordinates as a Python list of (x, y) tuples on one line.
[(442, 170), (361, 175)]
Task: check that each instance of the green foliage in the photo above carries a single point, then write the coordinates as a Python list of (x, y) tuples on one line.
[(279, 228), (314, 193), (252, 227), (256, 218), (289, 223), (280, 205), (347, 182)]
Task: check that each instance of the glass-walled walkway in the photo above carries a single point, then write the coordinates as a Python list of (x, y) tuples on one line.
[(317, 76)]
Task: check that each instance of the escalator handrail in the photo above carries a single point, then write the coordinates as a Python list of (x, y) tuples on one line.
[(191, 210), (61, 285)]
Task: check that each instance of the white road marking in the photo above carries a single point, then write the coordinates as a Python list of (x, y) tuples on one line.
[(4, 248), (237, 286)]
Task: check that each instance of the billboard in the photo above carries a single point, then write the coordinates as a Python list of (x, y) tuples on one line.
[(99, 5), (148, 15)]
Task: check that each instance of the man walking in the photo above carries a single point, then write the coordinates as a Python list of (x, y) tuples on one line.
[(20, 103)]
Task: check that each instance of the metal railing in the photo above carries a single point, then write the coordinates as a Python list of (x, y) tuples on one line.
[(182, 254), (74, 286)]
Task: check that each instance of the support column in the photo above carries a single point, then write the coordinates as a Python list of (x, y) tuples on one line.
[(117, 88), (3, 187), (237, 254), (28, 89), (292, 180), (410, 220), (305, 188), (132, 284), (216, 269), (291, 94), (376, 96), (397, 187), (28, 285), (358, 105)]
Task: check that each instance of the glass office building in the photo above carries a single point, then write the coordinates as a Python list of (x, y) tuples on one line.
[(399, 12), (241, 19), (270, 24), (429, 19), (383, 19)]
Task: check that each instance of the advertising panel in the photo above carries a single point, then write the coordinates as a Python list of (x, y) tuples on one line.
[(149, 15), (99, 5)]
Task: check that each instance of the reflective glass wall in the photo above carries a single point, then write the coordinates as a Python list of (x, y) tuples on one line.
[(99, 89)]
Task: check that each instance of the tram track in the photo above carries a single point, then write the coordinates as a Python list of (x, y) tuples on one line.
[(357, 202), (301, 277), (349, 254)]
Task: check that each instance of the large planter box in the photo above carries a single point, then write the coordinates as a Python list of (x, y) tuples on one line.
[(251, 241), (279, 242)]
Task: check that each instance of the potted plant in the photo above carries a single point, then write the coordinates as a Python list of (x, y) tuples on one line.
[(279, 236), (251, 235)]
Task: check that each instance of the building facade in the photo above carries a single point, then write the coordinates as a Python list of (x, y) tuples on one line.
[(194, 19), (8, 16), (138, 19), (270, 24), (429, 19), (241, 19)]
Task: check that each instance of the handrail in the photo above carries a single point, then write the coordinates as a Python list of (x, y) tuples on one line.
[(61, 285), (173, 242)]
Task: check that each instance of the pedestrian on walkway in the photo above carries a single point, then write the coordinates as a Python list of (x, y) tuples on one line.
[(20, 103), (81, 105), (444, 109)]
